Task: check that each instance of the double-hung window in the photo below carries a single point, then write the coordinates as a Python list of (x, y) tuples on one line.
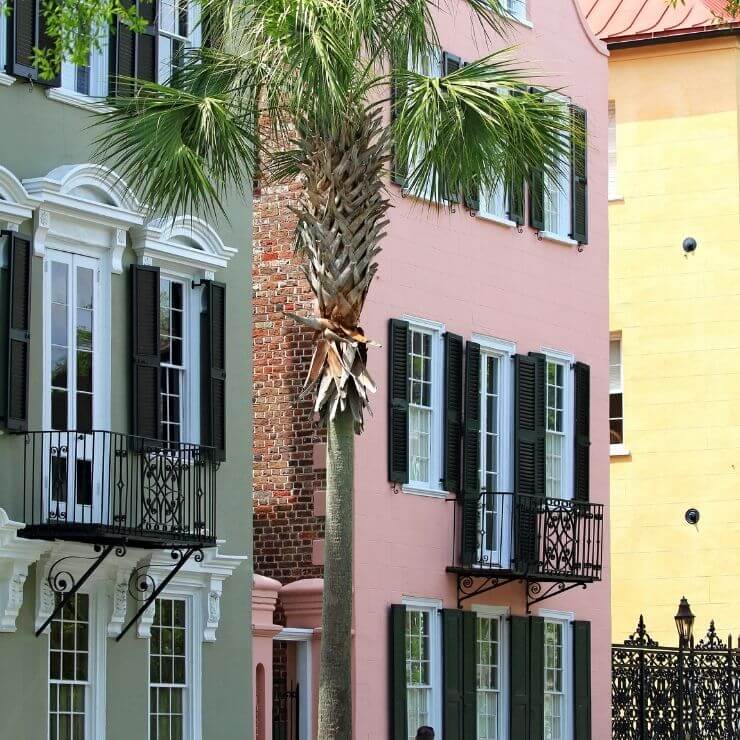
[(172, 348), (491, 649), (425, 438), (422, 668), (557, 194), (69, 671), (89, 79), (168, 671), (516, 8), (558, 427), (616, 401), (557, 680), (179, 29)]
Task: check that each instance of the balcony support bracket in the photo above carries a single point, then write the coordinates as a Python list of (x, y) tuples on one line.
[(62, 582), (143, 587), (469, 586), (536, 594)]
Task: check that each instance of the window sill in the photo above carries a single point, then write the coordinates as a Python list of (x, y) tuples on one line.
[(85, 102), (521, 21), (419, 490), (619, 451), (500, 220), (557, 238), (6, 80), (616, 199)]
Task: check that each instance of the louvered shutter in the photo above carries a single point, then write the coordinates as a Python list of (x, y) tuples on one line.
[(44, 42), (582, 441), (398, 718), (213, 364), (537, 200), (529, 454), (133, 54), (146, 362), (519, 678), (450, 63), (470, 674), (19, 331), (452, 674), (146, 43), (453, 412), (472, 200), (398, 426), (23, 25), (515, 202), (582, 680), (579, 176), (399, 167), (471, 455), (536, 678)]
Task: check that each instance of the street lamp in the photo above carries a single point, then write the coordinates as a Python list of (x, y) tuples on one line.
[(684, 622)]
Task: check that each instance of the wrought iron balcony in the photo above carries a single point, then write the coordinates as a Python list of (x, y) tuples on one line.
[(106, 488), (503, 537)]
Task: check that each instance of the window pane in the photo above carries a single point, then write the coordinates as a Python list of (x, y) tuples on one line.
[(84, 287), (84, 412), (84, 329), (84, 371), (59, 282), (59, 367), (59, 324)]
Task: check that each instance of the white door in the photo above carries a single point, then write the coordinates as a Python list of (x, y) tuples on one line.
[(73, 449)]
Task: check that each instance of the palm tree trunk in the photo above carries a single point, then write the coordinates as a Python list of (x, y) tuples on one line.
[(335, 690)]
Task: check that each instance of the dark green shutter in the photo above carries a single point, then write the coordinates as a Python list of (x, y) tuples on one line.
[(146, 361), (452, 674), (519, 678), (213, 368), (582, 680), (471, 455), (537, 200), (133, 54), (579, 176), (453, 412), (472, 200), (515, 199), (536, 678), (19, 331), (581, 466), (398, 427), (397, 683), (399, 166), (450, 63), (470, 674)]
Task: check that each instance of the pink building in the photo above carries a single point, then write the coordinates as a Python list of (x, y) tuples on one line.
[(481, 603)]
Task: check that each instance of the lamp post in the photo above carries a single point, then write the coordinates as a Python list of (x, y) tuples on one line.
[(684, 622)]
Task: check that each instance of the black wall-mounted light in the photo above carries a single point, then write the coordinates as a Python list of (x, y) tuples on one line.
[(684, 622), (692, 516), (689, 244)]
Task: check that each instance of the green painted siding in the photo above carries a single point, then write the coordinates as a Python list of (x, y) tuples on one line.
[(38, 135)]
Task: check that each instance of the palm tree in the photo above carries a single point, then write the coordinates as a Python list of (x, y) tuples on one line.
[(301, 88)]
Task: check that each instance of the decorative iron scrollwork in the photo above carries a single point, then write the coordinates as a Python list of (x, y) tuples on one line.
[(62, 581), (640, 637)]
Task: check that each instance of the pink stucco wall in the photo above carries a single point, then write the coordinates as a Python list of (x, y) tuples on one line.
[(479, 277)]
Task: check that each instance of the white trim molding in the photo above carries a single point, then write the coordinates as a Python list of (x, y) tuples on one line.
[(204, 581), (182, 242), (84, 205), (78, 100), (16, 555), (16, 205)]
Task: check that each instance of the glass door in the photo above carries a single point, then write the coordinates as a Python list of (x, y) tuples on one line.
[(72, 405)]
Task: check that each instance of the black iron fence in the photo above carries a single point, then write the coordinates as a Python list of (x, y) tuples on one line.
[(690, 692), (102, 486), (286, 713), (539, 537)]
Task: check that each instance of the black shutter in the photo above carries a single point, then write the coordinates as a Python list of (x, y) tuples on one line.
[(472, 200), (453, 412), (45, 42), (536, 678), (582, 440), (537, 200), (579, 176), (133, 54), (146, 43), (19, 331), (450, 63), (146, 369), (515, 200), (397, 683), (519, 678), (452, 674), (470, 674), (24, 28), (399, 169), (529, 424), (471, 455), (582, 680), (213, 368), (398, 427)]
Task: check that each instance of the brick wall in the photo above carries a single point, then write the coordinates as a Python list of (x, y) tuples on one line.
[(288, 454)]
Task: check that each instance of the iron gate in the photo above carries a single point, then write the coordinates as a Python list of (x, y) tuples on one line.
[(675, 693), (286, 714)]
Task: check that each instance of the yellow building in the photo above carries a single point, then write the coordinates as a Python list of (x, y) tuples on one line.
[(675, 313)]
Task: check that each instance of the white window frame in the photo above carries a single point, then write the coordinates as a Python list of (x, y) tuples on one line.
[(502, 613), (191, 41), (567, 359), (566, 619), (95, 699), (193, 706), (433, 487), (434, 608), (620, 449), (613, 159), (504, 351), (5, 78), (518, 11)]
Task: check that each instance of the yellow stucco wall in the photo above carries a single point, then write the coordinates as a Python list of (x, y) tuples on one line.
[(677, 162)]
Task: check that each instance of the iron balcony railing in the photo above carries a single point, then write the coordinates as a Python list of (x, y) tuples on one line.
[(103, 487), (517, 534)]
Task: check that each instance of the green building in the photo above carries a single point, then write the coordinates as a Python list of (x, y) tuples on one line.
[(125, 476)]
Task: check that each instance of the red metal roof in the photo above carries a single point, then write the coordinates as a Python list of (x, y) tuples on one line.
[(631, 20)]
